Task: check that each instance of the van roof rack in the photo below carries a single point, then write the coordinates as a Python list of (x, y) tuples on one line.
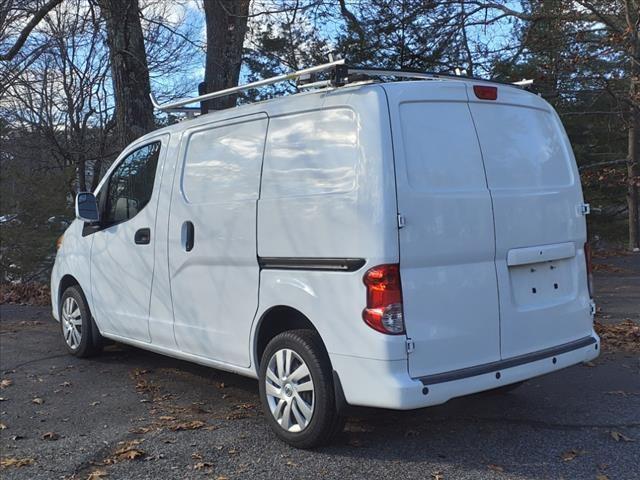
[(339, 77)]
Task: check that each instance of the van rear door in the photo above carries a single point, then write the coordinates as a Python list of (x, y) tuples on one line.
[(540, 231), (447, 247)]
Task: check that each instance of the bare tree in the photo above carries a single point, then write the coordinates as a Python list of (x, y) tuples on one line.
[(618, 22), (631, 28), (12, 12), (62, 96), (129, 69), (226, 29)]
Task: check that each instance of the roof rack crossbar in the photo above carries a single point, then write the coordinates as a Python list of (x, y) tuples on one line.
[(340, 77), (177, 105), (376, 72)]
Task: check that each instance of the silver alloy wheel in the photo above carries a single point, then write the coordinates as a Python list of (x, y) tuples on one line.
[(71, 323), (289, 389)]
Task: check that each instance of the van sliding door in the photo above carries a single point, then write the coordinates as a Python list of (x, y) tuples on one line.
[(213, 264)]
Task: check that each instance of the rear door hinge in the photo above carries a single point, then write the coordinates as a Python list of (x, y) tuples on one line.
[(411, 346), (584, 209), (401, 221)]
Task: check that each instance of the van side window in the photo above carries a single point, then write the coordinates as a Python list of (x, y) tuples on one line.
[(131, 184)]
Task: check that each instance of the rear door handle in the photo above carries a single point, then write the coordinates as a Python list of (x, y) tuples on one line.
[(188, 235), (143, 236)]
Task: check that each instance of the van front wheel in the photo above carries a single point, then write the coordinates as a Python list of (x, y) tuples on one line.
[(76, 324), (296, 389)]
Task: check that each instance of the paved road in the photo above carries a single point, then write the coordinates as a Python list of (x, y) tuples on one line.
[(184, 421), (617, 286)]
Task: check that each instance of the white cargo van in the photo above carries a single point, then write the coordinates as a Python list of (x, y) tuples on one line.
[(388, 245)]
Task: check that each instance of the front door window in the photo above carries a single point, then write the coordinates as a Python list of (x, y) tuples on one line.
[(131, 184)]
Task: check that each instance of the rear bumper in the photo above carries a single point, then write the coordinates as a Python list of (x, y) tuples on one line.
[(386, 384)]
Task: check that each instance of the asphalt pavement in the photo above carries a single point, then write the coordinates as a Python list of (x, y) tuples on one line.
[(133, 414)]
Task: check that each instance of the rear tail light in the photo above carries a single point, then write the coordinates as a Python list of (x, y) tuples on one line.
[(384, 299), (484, 92), (587, 257)]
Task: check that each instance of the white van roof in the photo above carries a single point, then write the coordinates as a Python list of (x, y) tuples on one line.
[(314, 99)]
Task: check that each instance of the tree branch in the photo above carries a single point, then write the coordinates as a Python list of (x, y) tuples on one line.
[(26, 31)]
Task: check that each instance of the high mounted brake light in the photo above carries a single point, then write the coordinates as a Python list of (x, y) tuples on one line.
[(484, 92), (384, 299)]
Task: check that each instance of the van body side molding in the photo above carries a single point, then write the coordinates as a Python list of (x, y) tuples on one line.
[(303, 263), (507, 363)]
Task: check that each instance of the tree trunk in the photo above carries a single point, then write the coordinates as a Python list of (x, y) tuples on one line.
[(226, 28), (129, 69), (81, 169), (633, 158), (634, 153)]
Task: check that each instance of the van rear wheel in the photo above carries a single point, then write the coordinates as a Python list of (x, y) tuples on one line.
[(79, 331), (296, 389)]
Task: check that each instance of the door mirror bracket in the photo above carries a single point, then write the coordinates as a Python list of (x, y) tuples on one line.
[(87, 207)]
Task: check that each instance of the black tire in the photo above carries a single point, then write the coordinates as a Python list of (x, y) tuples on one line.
[(325, 422), (90, 339)]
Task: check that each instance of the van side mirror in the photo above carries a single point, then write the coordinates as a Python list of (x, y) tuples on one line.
[(87, 207)]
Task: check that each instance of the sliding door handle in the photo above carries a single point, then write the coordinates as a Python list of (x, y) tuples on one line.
[(142, 236), (188, 235)]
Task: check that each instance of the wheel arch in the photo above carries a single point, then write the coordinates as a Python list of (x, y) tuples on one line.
[(67, 281), (275, 320)]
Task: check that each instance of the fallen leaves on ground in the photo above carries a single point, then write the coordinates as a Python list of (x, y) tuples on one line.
[(192, 425), (242, 410), (202, 465), (141, 430), (608, 268), (37, 401), (97, 474), (29, 293), (2, 426), (601, 476), (197, 409), (620, 336), (142, 384), (132, 454), (437, 476), (617, 436), (6, 382), (495, 468), (127, 451), (572, 454), (16, 462), (51, 436)]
